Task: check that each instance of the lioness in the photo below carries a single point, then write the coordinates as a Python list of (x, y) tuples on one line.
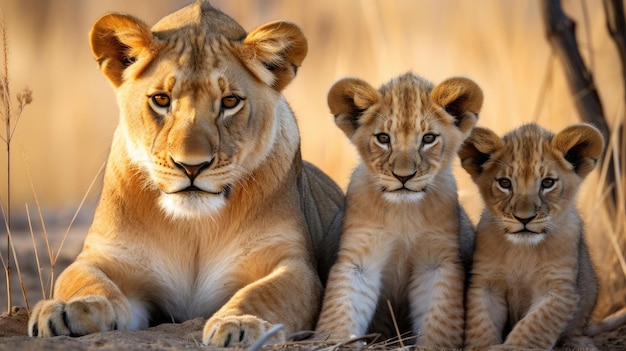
[(206, 209)]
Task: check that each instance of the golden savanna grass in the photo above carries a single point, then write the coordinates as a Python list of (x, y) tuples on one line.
[(500, 44), (10, 114)]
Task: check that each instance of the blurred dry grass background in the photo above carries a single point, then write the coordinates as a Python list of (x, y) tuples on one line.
[(65, 134)]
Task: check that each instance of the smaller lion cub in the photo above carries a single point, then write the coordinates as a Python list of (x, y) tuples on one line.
[(532, 285), (405, 237)]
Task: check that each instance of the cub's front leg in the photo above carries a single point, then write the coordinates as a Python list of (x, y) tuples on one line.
[(353, 288), (547, 319), (349, 303), (486, 314), (436, 296), (289, 295), (85, 301)]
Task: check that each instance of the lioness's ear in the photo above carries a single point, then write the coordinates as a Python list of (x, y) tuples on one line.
[(461, 98), (116, 42), (581, 145), (347, 99), (477, 149), (274, 52)]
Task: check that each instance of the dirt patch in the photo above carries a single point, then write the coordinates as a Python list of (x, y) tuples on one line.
[(183, 336), (15, 324), (167, 337)]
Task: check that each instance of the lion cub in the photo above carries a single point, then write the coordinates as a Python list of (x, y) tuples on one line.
[(532, 285), (405, 237)]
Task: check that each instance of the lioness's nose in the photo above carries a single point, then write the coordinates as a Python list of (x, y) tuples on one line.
[(192, 171)]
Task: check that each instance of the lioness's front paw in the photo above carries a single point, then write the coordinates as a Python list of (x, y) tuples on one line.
[(237, 331), (85, 315)]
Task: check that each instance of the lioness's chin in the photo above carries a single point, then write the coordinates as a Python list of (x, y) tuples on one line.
[(192, 204)]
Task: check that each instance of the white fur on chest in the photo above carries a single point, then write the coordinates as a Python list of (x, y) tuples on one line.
[(196, 286), (182, 280)]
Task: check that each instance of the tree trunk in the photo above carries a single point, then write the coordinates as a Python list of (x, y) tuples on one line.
[(561, 35)]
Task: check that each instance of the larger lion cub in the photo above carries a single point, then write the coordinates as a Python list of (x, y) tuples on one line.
[(532, 284), (207, 209), (405, 237)]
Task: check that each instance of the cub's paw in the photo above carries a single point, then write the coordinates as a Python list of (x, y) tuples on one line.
[(85, 315), (237, 331), (506, 348), (580, 342)]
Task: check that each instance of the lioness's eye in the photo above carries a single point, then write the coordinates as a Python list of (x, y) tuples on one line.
[(161, 100), (548, 183), (429, 138), (383, 138), (504, 183), (230, 101)]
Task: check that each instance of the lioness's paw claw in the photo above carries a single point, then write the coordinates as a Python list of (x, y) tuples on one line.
[(48, 319), (74, 318), (236, 331)]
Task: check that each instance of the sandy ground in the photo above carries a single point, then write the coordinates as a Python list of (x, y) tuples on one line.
[(184, 336)]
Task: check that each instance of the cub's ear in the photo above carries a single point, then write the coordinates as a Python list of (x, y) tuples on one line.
[(461, 98), (274, 52), (348, 99), (477, 149), (581, 145), (117, 41)]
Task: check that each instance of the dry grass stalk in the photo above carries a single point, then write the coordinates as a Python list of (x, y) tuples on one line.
[(39, 270), (43, 224), (258, 345), (612, 260), (395, 324), (11, 119), (53, 255), (80, 206), (17, 264), (619, 229), (5, 114)]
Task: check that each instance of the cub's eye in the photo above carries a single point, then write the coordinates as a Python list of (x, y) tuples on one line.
[(548, 183), (161, 100), (230, 101), (504, 183), (383, 138), (429, 138)]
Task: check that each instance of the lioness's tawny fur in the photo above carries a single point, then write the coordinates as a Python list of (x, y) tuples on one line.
[(405, 237), (206, 209)]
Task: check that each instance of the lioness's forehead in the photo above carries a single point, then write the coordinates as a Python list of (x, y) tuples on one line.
[(193, 46), (199, 17), (196, 52), (197, 36)]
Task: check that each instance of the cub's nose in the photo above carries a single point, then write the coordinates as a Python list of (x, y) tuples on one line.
[(525, 221), (192, 170), (403, 179)]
